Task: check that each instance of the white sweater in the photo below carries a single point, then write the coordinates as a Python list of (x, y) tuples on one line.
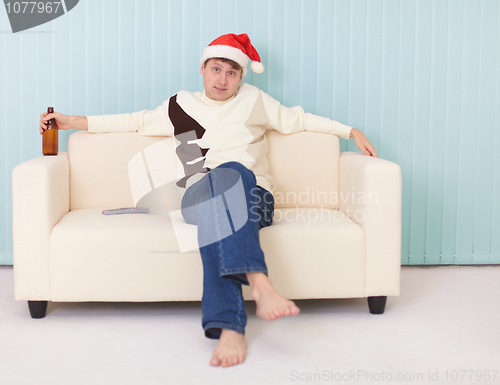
[(217, 132)]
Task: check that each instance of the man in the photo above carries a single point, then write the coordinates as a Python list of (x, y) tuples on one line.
[(222, 145)]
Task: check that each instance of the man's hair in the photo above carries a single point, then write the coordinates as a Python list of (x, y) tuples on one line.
[(232, 63)]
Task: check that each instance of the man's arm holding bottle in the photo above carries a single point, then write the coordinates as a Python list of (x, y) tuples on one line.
[(145, 122), (64, 122)]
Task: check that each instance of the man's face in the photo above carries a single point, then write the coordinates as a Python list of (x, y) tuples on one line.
[(220, 79)]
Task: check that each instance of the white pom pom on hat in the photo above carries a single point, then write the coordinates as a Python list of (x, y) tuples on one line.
[(257, 67), (237, 48)]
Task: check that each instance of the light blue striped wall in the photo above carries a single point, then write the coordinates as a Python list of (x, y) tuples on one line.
[(419, 77)]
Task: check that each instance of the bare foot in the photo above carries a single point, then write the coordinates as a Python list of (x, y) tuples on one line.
[(270, 305), (231, 350)]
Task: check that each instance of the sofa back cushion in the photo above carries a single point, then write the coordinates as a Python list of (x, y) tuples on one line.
[(304, 165), (306, 169)]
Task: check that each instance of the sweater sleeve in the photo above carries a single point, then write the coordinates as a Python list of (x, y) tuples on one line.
[(290, 120), (147, 123)]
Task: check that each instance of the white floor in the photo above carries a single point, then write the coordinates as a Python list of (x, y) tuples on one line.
[(444, 328)]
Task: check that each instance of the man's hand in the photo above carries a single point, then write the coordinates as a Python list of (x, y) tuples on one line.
[(64, 122), (363, 143)]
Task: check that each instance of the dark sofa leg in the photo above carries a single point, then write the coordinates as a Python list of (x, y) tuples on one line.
[(38, 309), (377, 304)]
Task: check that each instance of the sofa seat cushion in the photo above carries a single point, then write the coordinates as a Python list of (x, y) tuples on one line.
[(310, 253), (128, 257), (315, 253)]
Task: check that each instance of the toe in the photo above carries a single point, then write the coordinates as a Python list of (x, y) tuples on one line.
[(215, 361)]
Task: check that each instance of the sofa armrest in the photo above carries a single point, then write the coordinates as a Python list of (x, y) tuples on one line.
[(371, 195), (40, 198)]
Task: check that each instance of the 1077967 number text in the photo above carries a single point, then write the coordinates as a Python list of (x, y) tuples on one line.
[(32, 7)]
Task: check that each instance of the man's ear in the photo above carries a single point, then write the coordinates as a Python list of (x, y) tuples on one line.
[(202, 69)]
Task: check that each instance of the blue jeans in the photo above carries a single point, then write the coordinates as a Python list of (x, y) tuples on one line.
[(229, 209)]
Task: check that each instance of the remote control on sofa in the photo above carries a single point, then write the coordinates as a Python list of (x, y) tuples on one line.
[(126, 210)]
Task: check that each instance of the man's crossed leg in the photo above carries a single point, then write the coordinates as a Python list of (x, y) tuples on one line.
[(229, 209)]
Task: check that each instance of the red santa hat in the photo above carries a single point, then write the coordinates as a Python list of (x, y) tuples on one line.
[(237, 48)]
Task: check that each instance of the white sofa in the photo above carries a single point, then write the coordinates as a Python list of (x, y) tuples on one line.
[(336, 232)]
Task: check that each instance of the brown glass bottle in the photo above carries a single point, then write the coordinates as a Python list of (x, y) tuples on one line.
[(51, 136)]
